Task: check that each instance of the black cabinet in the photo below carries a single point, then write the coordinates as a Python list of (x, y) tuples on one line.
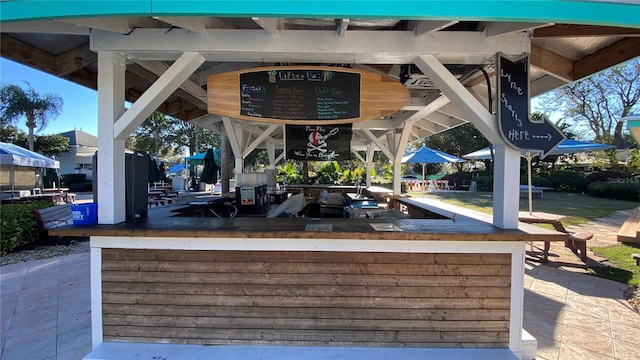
[(251, 199), (136, 174)]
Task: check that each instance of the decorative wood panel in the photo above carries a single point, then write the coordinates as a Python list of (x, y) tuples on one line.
[(379, 95), (306, 298)]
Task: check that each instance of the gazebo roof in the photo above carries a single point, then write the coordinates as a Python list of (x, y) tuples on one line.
[(567, 41)]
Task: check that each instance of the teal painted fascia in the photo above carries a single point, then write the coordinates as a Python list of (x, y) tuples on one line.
[(554, 11), (633, 123), (26, 10)]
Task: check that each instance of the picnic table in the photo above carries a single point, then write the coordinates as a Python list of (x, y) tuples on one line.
[(577, 242)]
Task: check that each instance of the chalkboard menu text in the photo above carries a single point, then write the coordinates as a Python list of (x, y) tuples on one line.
[(516, 127), (305, 94)]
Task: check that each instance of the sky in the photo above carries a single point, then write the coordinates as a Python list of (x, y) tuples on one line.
[(80, 104)]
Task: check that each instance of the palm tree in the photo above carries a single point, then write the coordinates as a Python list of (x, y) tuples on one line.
[(16, 102)]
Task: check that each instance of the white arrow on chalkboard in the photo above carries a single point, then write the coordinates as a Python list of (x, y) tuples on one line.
[(516, 127), (534, 137)]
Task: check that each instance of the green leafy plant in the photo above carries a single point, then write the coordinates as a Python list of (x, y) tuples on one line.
[(329, 173), (18, 225), (289, 173)]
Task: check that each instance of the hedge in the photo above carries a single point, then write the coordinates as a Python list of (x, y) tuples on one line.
[(615, 190), (18, 225)]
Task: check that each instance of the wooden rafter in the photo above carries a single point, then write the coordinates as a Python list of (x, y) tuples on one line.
[(27, 55), (615, 54), (564, 30), (552, 63), (74, 60)]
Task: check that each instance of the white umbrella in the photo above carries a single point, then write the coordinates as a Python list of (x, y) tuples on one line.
[(566, 146)]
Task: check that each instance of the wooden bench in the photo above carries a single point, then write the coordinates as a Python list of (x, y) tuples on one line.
[(630, 230), (53, 217), (156, 201), (577, 243), (169, 200)]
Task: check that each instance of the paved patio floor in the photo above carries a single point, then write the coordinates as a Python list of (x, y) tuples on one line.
[(45, 306)]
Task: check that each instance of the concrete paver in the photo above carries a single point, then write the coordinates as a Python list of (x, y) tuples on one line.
[(45, 306)]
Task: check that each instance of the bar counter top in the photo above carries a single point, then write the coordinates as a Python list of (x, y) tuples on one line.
[(459, 225)]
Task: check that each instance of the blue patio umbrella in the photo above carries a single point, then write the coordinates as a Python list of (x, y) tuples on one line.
[(566, 146), (425, 155), (176, 168)]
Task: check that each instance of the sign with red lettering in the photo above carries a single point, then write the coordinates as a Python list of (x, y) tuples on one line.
[(516, 127)]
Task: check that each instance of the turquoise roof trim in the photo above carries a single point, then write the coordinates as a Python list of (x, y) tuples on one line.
[(633, 123), (25, 10), (558, 11)]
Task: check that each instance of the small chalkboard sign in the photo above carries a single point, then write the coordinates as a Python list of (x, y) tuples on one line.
[(306, 94), (516, 127)]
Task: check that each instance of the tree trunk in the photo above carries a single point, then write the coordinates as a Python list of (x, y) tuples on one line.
[(31, 138), (305, 172), (225, 159)]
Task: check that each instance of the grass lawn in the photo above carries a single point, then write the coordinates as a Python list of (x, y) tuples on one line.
[(579, 209), (623, 268)]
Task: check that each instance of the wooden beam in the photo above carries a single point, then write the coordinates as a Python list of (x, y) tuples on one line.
[(552, 63), (192, 23), (28, 55), (84, 77), (74, 60), (500, 28), (343, 24), (615, 54), (424, 27), (564, 30), (270, 25), (150, 75)]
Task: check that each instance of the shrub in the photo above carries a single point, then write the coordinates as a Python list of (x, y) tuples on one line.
[(568, 181), (70, 179), (539, 180), (615, 190), (19, 227), (605, 176), (485, 183), (459, 181)]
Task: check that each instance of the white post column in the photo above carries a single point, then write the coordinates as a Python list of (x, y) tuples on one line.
[(110, 176), (236, 140), (371, 151), (271, 153), (506, 187)]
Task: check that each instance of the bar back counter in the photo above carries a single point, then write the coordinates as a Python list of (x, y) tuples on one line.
[(454, 283)]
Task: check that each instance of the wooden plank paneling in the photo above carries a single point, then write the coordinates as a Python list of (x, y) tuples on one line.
[(305, 312), (306, 298)]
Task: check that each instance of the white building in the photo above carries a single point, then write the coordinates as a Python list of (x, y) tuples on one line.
[(80, 160)]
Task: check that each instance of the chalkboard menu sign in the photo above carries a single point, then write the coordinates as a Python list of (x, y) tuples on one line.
[(305, 94), (516, 127)]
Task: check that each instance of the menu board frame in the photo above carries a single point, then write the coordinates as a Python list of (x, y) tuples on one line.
[(379, 95)]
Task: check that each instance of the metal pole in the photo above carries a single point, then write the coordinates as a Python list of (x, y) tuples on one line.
[(422, 181), (528, 155)]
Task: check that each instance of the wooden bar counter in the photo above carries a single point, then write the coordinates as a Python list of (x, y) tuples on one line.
[(454, 282)]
